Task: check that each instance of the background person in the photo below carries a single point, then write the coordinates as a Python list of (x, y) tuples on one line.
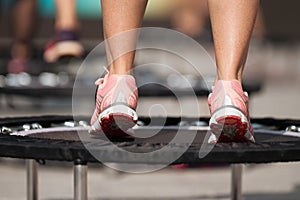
[(65, 41)]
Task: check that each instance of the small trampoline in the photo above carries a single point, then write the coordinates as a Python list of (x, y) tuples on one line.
[(62, 138)]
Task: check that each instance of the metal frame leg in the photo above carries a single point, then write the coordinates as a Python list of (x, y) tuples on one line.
[(32, 179), (236, 181), (80, 181)]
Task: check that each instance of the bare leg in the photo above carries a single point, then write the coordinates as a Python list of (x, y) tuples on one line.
[(23, 28), (66, 17), (119, 16), (232, 24)]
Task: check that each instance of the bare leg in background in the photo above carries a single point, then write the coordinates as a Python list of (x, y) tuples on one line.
[(66, 16), (23, 20)]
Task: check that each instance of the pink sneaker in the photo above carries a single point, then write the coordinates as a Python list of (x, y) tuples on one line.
[(230, 121), (116, 102)]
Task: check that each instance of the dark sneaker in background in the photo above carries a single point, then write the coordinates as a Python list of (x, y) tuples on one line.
[(65, 43)]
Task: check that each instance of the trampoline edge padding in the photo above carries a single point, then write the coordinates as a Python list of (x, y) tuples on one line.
[(43, 149)]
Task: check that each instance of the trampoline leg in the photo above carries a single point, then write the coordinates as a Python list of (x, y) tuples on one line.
[(236, 181), (80, 181), (32, 179)]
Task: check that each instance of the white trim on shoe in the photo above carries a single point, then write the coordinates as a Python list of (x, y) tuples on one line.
[(118, 109)]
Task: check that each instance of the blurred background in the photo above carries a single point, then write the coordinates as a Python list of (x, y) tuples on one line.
[(273, 73), (272, 61)]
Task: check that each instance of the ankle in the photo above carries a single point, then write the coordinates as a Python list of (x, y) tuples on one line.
[(119, 70), (68, 25), (229, 78)]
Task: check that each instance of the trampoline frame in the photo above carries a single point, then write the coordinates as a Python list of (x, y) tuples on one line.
[(79, 177), (80, 184)]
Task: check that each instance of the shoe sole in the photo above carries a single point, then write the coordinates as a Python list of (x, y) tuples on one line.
[(116, 120), (68, 48), (230, 125)]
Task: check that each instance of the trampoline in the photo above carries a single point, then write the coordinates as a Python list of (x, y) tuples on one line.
[(58, 138), (60, 85)]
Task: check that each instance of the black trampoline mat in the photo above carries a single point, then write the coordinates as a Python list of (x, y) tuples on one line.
[(67, 144)]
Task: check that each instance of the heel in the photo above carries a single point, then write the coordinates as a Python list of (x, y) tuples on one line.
[(229, 124)]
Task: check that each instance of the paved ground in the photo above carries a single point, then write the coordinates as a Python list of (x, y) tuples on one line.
[(280, 68), (268, 181)]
